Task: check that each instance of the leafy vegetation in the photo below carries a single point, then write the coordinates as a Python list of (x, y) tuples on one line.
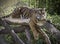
[(53, 14)]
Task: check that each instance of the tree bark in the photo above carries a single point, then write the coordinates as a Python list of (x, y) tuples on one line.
[(16, 29), (52, 30), (2, 41), (11, 32)]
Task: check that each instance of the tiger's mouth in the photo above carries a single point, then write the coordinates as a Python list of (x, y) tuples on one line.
[(41, 21)]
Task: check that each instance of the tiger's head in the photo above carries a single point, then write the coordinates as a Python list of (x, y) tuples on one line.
[(40, 15)]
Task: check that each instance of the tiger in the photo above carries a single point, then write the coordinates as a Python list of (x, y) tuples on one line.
[(25, 13), (35, 15)]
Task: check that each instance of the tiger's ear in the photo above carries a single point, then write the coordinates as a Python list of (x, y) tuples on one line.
[(43, 9), (19, 8)]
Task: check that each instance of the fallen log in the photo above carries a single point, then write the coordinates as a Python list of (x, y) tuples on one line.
[(47, 25), (16, 29), (52, 30), (11, 32), (2, 40)]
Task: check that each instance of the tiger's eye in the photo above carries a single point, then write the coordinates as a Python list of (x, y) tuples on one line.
[(38, 17)]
